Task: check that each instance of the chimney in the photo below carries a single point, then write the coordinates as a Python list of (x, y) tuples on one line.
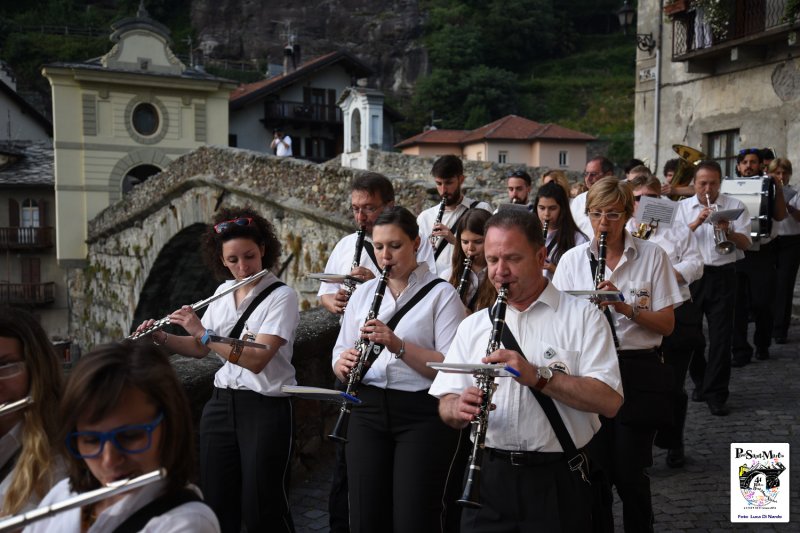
[(288, 60), (296, 55)]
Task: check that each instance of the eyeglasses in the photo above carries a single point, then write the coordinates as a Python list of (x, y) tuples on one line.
[(612, 215), (639, 196), (590, 174), (224, 226), (11, 370), (366, 210), (127, 439)]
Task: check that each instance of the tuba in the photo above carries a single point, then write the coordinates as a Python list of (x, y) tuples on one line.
[(688, 159)]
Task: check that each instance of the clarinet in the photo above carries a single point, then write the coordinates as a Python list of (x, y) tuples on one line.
[(434, 239), (545, 227), (485, 382), (350, 285), (463, 283), (600, 274), (365, 349)]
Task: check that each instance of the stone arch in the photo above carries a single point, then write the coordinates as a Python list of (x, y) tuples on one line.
[(146, 156)]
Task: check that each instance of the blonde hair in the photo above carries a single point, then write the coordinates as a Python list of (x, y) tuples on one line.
[(780, 162), (33, 473), (609, 191), (560, 177)]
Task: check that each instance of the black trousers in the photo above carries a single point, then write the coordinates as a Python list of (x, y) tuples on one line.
[(679, 348), (532, 497), (245, 446), (399, 462), (756, 279), (787, 256), (715, 295)]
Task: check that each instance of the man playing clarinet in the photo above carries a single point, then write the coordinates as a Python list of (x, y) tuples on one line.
[(565, 353)]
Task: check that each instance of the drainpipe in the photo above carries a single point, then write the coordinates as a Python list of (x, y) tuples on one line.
[(657, 110)]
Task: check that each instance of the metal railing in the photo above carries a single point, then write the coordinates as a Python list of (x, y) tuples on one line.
[(21, 238), (28, 293), (696, 30), (282, 110)]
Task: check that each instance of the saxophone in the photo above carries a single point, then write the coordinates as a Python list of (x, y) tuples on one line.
[(367, 353)]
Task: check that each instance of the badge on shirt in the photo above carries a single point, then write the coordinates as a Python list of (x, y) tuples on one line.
[(550, 353)]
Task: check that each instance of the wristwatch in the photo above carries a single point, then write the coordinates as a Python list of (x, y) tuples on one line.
[(545, 374), (207, 337)]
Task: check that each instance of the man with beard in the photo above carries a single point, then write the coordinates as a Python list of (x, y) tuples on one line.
[(519, 187), (448, 174), (596, 169)]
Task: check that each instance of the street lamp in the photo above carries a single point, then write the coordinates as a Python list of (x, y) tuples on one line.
[(626, 14)]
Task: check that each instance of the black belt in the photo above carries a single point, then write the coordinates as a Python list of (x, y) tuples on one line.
[(526, 458), (637, 353), (221, 393)]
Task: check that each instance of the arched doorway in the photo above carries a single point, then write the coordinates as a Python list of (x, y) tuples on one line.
[(138, 175)]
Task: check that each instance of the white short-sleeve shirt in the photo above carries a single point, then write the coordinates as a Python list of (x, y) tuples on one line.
[(558, 331), (277, 315), (580, 238), (431, 324), (688, 211), (644, 276), (578, 209), (427, 218), (789, 226)]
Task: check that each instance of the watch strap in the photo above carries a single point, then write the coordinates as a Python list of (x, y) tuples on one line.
[(207, 337)]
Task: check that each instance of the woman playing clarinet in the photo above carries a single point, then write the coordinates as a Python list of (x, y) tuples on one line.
[(398, 450), (468, 264), (246, 427), (552, 208)]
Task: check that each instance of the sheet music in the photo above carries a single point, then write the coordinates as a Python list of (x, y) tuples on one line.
[(728, 214), (656, 209)]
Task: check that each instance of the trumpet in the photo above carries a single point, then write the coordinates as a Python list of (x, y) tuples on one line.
[(721, 243), (11, 407), (485, 382), (368, 351), (112, 489), (433, 238), (349, 284), (160, 323), (463, 283)]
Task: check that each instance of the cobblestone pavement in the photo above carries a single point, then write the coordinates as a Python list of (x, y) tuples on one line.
[(765, 407)]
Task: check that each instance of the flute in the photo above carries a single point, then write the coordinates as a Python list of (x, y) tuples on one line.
[(112, 489), (439, 216), (199, 305), (367, 352), (10, 407)]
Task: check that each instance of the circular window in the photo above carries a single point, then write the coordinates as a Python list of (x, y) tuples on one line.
[(145, 119)]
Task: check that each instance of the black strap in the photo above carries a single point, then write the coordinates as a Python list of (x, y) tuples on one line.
[(575, 458), (239, 326), (474, 299), (606, 310), (371, 253), (443, 242), (392, 323), (157, 507)]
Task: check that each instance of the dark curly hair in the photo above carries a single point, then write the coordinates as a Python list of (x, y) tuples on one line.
[(260, 232)]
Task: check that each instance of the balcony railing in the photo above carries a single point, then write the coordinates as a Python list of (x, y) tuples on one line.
[(695, 31), (27, 293), (303, 112), (25, 238)]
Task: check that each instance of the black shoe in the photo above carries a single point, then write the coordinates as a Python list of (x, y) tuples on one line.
[(780, 340), (718, 409), (762, 354), (697, 396), (675, 457), (737, 361)]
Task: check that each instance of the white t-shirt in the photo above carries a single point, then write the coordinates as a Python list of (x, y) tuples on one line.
[(578, 207), (192, 517), (558, 331), (643, 275), (688, 211), (427, 218), (431, 324), (789, 226), (277, 315)]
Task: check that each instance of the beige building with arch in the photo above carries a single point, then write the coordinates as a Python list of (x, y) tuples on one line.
[(123, 117)]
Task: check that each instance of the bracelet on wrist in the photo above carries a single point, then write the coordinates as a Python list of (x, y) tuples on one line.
[(401, 352), (236, 352)]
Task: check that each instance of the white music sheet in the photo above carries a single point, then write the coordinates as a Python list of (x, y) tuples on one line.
[(658, 210)]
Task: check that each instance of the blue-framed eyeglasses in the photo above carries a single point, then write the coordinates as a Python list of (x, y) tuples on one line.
[(127, 439)]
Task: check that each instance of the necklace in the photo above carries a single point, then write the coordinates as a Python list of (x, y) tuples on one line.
[(397, 293)]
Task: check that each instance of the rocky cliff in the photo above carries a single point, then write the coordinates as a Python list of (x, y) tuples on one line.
[(385, 34)]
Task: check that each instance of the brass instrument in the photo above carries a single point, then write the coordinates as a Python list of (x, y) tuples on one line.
[(160, 323), (545, 227), (645, 230), (689, 158), (721, 243), (484, 380), (19, 521), (439, 216), (463, 283), (368, 351), (11, 407), (350, 284)]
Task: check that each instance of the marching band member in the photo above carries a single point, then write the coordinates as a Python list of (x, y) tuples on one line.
[(526, 482), (448, 174), (788, 250), (370, 193), (479, 292), (552, 207), (398, 450), (686, 340), (642, 272), (558, 176), (124, 414), (29, 367), (246, 427), (715, 292), (518, 186), (597, 168)]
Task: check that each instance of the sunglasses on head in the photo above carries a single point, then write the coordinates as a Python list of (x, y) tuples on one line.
[(745, 151), (225, 225)]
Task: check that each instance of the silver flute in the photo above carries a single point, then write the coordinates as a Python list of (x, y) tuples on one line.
[(439, 216), (112, 489), (11, 407), (160, 323)]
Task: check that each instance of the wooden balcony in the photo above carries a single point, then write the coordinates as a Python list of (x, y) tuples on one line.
[(299, 112), (33, 294), (26, 238)]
